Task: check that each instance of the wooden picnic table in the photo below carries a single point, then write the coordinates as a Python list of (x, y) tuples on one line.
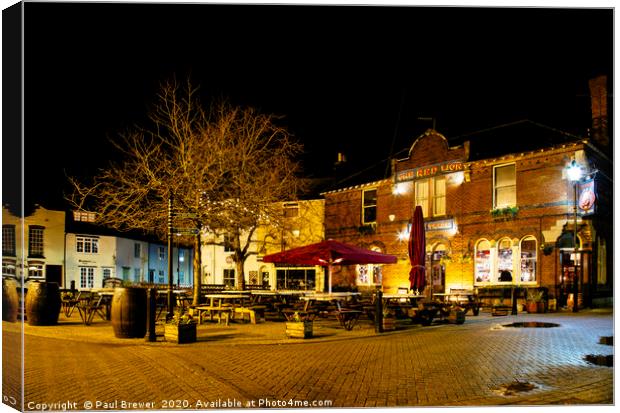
[(347, 317)]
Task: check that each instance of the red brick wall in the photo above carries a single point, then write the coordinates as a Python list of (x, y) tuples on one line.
[(544, 198)]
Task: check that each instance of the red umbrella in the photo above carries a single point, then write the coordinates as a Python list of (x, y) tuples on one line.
[(417, 251), (327, 253)]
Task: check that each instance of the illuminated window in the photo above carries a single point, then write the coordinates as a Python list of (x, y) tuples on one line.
[(181, 255), (504, 186), (483, 262), (430, 194), (422, 195), (528, 259), (505, 270), (35, 241), (369, 204), (81, 216), (8, 240), (439, 196)]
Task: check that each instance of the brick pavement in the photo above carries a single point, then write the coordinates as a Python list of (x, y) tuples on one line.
[(442, 365)]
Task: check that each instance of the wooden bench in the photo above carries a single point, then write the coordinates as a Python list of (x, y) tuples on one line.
[(251, 312), (221, 313)]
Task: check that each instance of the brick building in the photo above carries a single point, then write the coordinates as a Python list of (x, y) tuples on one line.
[(495, 215)]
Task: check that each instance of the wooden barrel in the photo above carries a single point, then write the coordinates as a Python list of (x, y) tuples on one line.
[(10, 300), (129, 312), (42, 303)]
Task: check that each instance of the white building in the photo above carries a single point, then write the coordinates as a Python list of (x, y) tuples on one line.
[(33, 246)]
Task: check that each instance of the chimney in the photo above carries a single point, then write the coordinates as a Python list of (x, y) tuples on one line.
[(598, 94)]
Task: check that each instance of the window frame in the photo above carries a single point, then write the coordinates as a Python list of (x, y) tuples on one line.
[(9, 240), (36, 244), (83, 240), (369, 206), (87, 277), (534, 259), (290, 209), (137, 250), (429, 203), (495, 186), (226, 276)]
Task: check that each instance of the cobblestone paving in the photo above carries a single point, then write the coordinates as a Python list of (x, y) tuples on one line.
[(443, 365)]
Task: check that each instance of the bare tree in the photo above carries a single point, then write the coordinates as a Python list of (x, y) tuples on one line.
[(260, 172), (225, 171), (173, 159)]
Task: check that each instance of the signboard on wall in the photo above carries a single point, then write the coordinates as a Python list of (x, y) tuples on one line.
[(586, 199), (429, 171), (442, 225)]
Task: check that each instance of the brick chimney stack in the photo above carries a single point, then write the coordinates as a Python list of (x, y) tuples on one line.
[(598, 94)]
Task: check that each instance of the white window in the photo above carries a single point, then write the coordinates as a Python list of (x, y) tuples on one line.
[(87, 245), (35, 270), (528, 259), (504, 186), (107, 273), (87, 277), (161, 253), (369, 206), (137, 250), (8, 267), (483, 262), (136, 274), (505, 270), (126, 273)]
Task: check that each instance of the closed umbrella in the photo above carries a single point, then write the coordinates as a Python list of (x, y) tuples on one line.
[(327, 253), (417, 251)]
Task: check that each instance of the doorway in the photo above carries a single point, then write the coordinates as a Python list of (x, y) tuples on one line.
[(53, 273)]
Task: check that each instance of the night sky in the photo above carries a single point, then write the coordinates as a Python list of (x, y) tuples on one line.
[(351, 79)]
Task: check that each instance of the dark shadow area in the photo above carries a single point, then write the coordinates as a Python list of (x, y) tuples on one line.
[(600, 359), (608, 341), (532, 324)]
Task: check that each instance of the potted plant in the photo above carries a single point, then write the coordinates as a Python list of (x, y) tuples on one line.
[(535, 301), (456, 315), (389, 320), (299, 326), (181, 329)]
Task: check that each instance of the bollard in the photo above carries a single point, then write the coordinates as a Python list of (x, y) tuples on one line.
[(151, 311), (379, 312)]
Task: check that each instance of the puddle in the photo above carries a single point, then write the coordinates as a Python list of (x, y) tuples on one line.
[(600, 359), (515, 387), (608, 341), (532, 324)]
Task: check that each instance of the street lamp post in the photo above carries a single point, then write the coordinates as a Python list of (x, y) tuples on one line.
[(574, 175)]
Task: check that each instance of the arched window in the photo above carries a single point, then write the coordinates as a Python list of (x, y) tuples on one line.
[(505, 269), (528, 259), (483, 261)]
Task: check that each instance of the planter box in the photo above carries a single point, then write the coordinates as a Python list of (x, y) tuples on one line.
[(456, 317), (389, 324), (299, 329), (180, 333)]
